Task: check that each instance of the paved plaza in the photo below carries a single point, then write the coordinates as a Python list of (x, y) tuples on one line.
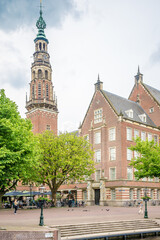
[(29, 219)]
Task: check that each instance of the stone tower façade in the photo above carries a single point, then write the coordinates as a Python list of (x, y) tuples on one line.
[(42, 104)]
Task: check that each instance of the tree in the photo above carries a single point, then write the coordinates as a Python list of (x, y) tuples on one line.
[(147, 164), (17, 145), (63, 158)]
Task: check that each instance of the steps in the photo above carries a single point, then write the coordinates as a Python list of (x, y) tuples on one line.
[(80, 230)]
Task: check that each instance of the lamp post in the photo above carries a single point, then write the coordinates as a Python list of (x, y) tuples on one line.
[(41, 189), (30, 193), (76, 195), (145, 201)]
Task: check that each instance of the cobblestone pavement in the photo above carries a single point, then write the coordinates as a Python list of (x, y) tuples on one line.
[(29, 219)]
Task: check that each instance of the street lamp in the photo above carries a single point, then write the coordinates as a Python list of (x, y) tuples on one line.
[(30, 193), (41, 189), (146, 199)]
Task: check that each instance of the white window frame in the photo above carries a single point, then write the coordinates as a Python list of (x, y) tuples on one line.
[(151, 110), (97, 137), (98, 155), (136, 155), (113, 194), (144, 179), (143, 136), (129, 154), (129, 173), (131, 193), (129, 133), (143, 117), (97, 177), (112, 153), (98, 113), (155, 137), (156, 179), (112, 134), (150, 179), (129, 113), (149, 137), (135, 170), (110, 175), (138, 194), (136, 133)]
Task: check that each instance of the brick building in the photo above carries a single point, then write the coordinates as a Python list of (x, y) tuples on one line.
[(110, 124), (42, 104)]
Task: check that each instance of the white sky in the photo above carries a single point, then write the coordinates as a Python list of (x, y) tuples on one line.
[(109, 37)]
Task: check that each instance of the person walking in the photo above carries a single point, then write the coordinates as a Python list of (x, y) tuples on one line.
[(15, 205), (140, 211)]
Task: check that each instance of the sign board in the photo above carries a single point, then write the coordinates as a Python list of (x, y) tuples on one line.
[(48, 235)]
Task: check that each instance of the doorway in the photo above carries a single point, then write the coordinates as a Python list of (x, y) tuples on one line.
[(97, 196)]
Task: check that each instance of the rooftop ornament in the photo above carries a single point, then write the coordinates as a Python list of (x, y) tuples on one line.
[(41, 25)]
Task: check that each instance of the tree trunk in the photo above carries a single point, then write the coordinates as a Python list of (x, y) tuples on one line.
[(1, 195), (54, 197)]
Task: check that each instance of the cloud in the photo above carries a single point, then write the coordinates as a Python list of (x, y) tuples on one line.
[(14, 58), (15, 13), (155, 56)]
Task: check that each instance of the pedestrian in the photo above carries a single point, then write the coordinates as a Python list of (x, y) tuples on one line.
[(15, 205), (140, 211)]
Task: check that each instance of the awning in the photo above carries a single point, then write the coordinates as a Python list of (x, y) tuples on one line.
[(24, 194)]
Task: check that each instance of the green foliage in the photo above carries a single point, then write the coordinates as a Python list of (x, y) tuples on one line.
[(63, 157), (43, 199), (17, 145), (146, 198), (148, 163)]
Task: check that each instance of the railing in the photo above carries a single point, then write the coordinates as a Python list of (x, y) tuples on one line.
[(39, 101)]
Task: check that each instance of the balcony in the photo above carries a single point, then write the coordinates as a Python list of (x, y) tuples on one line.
[(42, 102)]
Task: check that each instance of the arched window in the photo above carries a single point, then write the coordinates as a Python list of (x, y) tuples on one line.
[(33, 90), (40, 46), (46, 74), (47, 93), (44, 46), (39, 90), (36, 46), (39, 73)]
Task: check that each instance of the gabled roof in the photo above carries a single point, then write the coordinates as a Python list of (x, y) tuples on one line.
[(155, 93), (120, 105)]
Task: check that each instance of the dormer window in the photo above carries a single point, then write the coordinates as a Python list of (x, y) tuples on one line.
[(129, 113), (151, 110), (143, 117)]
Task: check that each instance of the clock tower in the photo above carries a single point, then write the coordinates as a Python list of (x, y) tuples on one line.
[(42, 104)]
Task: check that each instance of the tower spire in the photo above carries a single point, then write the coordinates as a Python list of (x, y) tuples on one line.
[(41, 25), (41, 100), (40, 6), (98, 78), (98, 84), (139, 76)]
